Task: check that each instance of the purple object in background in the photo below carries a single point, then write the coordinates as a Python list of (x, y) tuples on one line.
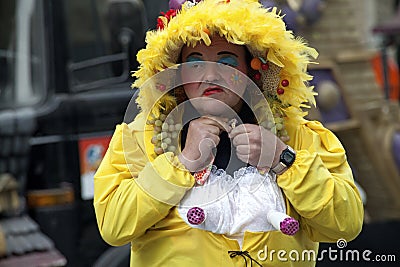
[(267, 3), (177, 4), (396, 148), (290, 17), (311, 10), (339, 112)]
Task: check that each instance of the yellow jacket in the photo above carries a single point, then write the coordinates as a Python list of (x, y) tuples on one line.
[(318, 188)]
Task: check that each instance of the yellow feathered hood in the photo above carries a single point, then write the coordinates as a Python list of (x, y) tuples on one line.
[(243, 22)]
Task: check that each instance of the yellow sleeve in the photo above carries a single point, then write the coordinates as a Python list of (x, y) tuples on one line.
[(319, 186), (132, 191)]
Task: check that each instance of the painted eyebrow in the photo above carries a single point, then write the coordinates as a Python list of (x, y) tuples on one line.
[(219, 53), (194, 54), (226, 53)]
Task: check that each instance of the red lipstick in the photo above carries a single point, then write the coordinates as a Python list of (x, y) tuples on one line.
[(211, 91)]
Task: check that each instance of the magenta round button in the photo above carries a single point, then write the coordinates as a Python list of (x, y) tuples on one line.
[(289, 226), (196, 215)]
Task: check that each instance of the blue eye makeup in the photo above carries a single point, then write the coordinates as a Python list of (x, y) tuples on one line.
[(193, 59), (229, 60)]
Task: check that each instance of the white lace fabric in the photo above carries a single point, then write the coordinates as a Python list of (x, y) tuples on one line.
[(235, 204)]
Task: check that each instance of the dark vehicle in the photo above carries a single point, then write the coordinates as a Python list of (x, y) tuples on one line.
[(64, 83)]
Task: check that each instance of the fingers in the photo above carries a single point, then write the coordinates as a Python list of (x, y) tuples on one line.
[(245, 134), (206, 126), (201, 139), (206, 146), (240, 139), (243, 150), (240, 129), (221, 123), (249, 143)]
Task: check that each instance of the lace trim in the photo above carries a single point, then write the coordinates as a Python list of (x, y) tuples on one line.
[(235, 203)]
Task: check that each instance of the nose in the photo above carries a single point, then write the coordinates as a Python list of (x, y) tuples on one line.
[(211, 72)]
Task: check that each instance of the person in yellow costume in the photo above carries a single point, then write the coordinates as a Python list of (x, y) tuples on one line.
[(220, 167)]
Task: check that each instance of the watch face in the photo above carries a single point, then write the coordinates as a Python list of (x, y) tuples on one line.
[(288, 157)]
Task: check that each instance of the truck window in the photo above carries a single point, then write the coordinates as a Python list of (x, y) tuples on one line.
[(103, 39), (21, 53)]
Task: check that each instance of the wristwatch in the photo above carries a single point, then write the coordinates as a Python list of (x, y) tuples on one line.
[(286, 160)]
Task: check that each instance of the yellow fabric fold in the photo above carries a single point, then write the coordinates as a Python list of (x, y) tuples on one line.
[(165, 179), (125, 205), (319, 186)]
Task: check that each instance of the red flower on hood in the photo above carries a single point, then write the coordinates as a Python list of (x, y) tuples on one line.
[(168, 15)]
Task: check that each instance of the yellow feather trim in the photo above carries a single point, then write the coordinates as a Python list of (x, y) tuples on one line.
[(243, 22)]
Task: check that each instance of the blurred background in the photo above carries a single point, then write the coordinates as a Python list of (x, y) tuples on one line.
[(65, 83)]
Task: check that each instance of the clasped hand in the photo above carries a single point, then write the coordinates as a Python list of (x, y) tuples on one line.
[(254, 144)]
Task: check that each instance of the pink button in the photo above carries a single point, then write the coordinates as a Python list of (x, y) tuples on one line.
[(196, 215), (289, 226)]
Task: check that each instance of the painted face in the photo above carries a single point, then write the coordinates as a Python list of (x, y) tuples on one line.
[(213, 88)]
